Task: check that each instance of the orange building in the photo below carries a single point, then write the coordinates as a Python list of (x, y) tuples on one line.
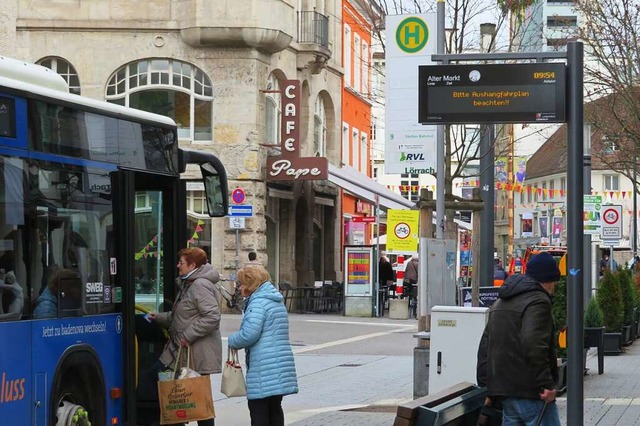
[(358, 17)]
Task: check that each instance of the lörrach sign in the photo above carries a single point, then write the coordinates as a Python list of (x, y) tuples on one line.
[(289, 165)]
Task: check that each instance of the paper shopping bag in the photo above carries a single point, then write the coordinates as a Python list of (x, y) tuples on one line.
[(233, 383), (185, 400)]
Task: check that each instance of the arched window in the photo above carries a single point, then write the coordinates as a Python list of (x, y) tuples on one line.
[(65, 69), (319, 128), (168, 87), (273, 111)]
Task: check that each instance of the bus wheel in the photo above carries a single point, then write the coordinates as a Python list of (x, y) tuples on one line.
[(71, 414)]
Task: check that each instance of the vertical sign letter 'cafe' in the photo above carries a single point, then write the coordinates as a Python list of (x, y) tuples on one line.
[(409, 146), (290, 166)]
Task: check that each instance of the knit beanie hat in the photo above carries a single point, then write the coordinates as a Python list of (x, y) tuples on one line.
[(543, 268)]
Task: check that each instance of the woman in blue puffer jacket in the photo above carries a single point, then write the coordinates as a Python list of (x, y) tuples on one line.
[(264, 335)]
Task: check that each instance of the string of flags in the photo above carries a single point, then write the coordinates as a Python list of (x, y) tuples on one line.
[(151, 248), (195, 235), (519, 188)]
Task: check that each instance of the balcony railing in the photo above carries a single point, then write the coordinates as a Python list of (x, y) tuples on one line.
[(313, 27)]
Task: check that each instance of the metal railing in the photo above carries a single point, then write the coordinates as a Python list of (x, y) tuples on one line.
[(313, 27)]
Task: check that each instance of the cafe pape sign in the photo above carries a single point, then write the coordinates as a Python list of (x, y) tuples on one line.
[(289, 165)]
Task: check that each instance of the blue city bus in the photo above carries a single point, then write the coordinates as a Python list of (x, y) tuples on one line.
[(92, 215)]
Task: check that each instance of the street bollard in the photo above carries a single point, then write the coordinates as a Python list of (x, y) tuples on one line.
[(421, 365)]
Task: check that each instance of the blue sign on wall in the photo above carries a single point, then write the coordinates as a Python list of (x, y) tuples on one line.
[(241, 211)]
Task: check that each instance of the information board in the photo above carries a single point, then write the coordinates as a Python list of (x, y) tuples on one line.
[(492, 93), (358, 274)]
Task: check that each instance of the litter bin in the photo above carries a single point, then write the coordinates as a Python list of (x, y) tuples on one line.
[(399, 309)]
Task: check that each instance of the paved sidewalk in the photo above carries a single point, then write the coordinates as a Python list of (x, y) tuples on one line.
[(612, 398), (364, 390)]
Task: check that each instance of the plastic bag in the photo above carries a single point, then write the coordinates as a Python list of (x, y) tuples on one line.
[(186, 373)]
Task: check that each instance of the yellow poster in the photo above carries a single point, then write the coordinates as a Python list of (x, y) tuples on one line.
[(402, 230)]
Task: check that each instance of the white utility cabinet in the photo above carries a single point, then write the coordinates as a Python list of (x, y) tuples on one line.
[(455, 337)]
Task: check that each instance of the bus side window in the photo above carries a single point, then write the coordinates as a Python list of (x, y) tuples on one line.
[(70, 296), (11, 297)]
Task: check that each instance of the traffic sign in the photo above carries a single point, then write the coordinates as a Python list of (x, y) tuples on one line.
[(363, 219), (236, 222), (402, 230), (241, 211), (412, 34), (611, 223), (238, 196)]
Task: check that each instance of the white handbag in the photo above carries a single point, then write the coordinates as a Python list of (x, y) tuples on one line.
[(233, 383)]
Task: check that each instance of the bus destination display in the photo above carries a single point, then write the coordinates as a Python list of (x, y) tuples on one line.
[(494, 93)]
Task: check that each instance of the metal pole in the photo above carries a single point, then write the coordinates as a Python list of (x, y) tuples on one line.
[(586, 163), (488, 213), (378, 313), (440, 157), (237, 244), (635, 205), (575, 343)]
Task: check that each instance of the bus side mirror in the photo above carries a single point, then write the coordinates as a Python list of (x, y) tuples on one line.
[(215, 188)]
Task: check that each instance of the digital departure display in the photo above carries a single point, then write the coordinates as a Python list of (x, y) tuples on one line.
[(495, 93)]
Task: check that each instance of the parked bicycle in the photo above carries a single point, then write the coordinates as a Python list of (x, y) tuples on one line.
[(410, 291), (234, 300)]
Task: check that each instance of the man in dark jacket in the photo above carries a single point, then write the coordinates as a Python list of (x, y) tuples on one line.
[(517, 356), (385, 272)]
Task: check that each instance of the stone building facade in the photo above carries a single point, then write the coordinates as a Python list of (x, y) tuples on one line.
[(215, 68)]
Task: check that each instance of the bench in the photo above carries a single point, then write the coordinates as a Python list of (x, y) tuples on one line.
[(457, 405)]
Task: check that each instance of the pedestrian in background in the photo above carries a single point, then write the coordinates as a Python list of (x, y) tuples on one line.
[(517, 354), (194, 320), (253, 258), (385, 271), (410, 275), (264, 335)]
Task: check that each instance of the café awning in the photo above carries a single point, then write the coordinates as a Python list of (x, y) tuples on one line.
[(366, 188)]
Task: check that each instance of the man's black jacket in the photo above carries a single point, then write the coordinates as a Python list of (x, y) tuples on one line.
[(517, 355)]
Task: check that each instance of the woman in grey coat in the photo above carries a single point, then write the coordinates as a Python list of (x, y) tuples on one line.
[(194, 320)]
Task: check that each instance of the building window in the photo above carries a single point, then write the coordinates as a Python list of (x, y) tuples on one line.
[(363, 153), (409, 186), (355, 158), (65, 69), (346, 63), (319, 128), (377, 78), (365, 68), (273, 111), (197, 202), (609, 144), (345, 144), (552, 184), (521, 197), (357, 63), (167, 87), (611, 182), (544, 191), (562, 21), (374, 128), (563, 184)]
